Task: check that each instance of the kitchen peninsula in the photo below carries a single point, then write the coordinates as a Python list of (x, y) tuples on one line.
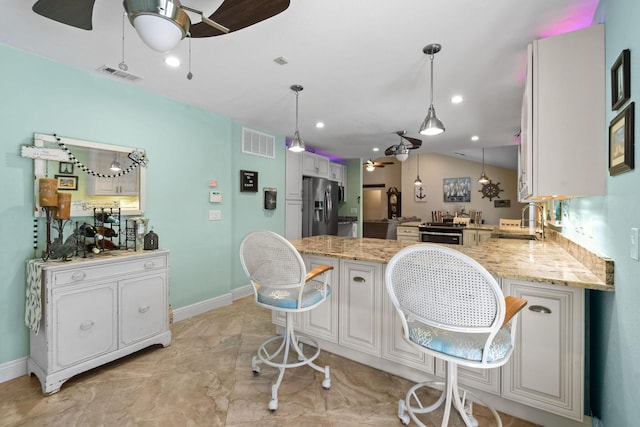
[(543, 382)]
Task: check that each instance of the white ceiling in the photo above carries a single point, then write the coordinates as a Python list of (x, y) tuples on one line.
[(360, 62)]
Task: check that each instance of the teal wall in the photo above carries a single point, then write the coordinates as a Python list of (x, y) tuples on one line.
[(603, 224), (186, 146)]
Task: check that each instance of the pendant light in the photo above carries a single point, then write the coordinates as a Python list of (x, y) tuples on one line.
[(297, 144), (115, 164), (418, 181), (123, 65), (431, 125), (483, 178)]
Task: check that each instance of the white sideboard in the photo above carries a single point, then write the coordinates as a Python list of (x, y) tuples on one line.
[(96, 310)]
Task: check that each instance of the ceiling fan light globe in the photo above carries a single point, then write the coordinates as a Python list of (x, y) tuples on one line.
[(371, 167), (402, 156), (161, 24)]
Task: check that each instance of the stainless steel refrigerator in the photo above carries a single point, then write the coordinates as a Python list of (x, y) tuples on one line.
[(319, 206)]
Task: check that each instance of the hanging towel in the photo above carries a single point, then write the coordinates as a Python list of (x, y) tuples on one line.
[(33, 308)]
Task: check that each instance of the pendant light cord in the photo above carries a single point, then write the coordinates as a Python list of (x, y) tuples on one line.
[(297, 93), (431, 57)]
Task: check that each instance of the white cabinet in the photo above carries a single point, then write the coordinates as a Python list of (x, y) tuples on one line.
[(315, 165), (322, 321), (546, 369), (360, 313), (125, 185), (293, 175), (473, 237), (395, 347), (97, 310), (336, 172), (293, 219), (408, 233), (563, 118)]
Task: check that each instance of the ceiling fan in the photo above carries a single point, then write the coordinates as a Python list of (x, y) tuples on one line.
[(173, 24), (370, 165), (401, 151)]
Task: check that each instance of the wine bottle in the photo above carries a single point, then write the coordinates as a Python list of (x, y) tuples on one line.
[(105, 217), (107, 232), (90, 231)]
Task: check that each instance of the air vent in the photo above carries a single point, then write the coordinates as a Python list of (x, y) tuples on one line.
[(258, 143), (116, 72)]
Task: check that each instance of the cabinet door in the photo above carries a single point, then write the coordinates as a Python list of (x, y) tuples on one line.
[(143, 308), (293, 219), (322, 321), (84, 323), (546, 369), (360, 306), (469, 237), (483, 236), (293, 175), (315, 165), (525, 149), (125, 185), (335, 172), (394, 346)]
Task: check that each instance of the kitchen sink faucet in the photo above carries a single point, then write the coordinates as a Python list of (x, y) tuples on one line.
[(534, 205)]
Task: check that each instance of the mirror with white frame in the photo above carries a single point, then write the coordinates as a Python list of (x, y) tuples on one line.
[(89, 171)]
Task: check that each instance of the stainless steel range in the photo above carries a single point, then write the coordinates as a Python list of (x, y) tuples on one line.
[(441, 232)]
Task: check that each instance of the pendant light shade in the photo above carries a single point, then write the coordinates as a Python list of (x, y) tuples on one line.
[(418, 181), (297, 144), (483, 177), (431, 125)]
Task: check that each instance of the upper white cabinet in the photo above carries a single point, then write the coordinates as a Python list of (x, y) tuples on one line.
[(563, 147), (293, 175), (336, 172), (315, 165)]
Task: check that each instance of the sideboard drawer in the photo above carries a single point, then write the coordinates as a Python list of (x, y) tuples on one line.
[(88, 273)]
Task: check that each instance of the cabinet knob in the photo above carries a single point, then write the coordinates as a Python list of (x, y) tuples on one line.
[(77, 276), (539, 309), (143, 309), (359, 279), (86, 325), (149, 265)]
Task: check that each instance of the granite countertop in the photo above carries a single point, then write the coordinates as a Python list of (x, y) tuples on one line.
[(552, 261)]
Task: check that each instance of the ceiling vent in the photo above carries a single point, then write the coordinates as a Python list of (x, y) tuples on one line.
[(258, 143), (113, 71)]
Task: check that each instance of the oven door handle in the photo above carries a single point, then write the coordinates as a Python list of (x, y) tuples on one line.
[(440, 233)]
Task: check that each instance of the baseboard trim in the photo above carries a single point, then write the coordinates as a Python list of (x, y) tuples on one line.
[(13, 369), (17, 368)]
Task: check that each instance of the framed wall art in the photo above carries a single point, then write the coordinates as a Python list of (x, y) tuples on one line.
[(457, 190), (621, 80), (621, 141), (66, 168), (67, 182)]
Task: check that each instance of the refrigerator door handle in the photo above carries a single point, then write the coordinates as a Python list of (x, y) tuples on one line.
[(327, 204)]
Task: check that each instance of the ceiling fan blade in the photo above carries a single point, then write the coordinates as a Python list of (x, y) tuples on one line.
[(77, 13), (413, 142), (239, 14), (391, 151)]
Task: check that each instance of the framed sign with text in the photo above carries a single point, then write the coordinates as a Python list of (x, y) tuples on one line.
[(249, 181)]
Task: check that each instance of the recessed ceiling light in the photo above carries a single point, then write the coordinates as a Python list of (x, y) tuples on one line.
[(319, 125), (456, 99), (172, 61), (376, 149), (475, 138)]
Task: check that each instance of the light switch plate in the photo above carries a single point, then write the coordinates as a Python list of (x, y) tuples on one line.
[(215, 215), (634, 243)]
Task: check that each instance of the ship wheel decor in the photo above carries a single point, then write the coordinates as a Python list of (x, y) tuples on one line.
[(491, 190)]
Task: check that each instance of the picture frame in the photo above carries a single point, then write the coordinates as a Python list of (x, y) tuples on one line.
[(248, 181), (621, 80), (621, 144), (457, 190), (502, 203), (67, 182), (65, 168)]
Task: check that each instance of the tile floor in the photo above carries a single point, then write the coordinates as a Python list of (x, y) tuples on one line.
[(204, 379)]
